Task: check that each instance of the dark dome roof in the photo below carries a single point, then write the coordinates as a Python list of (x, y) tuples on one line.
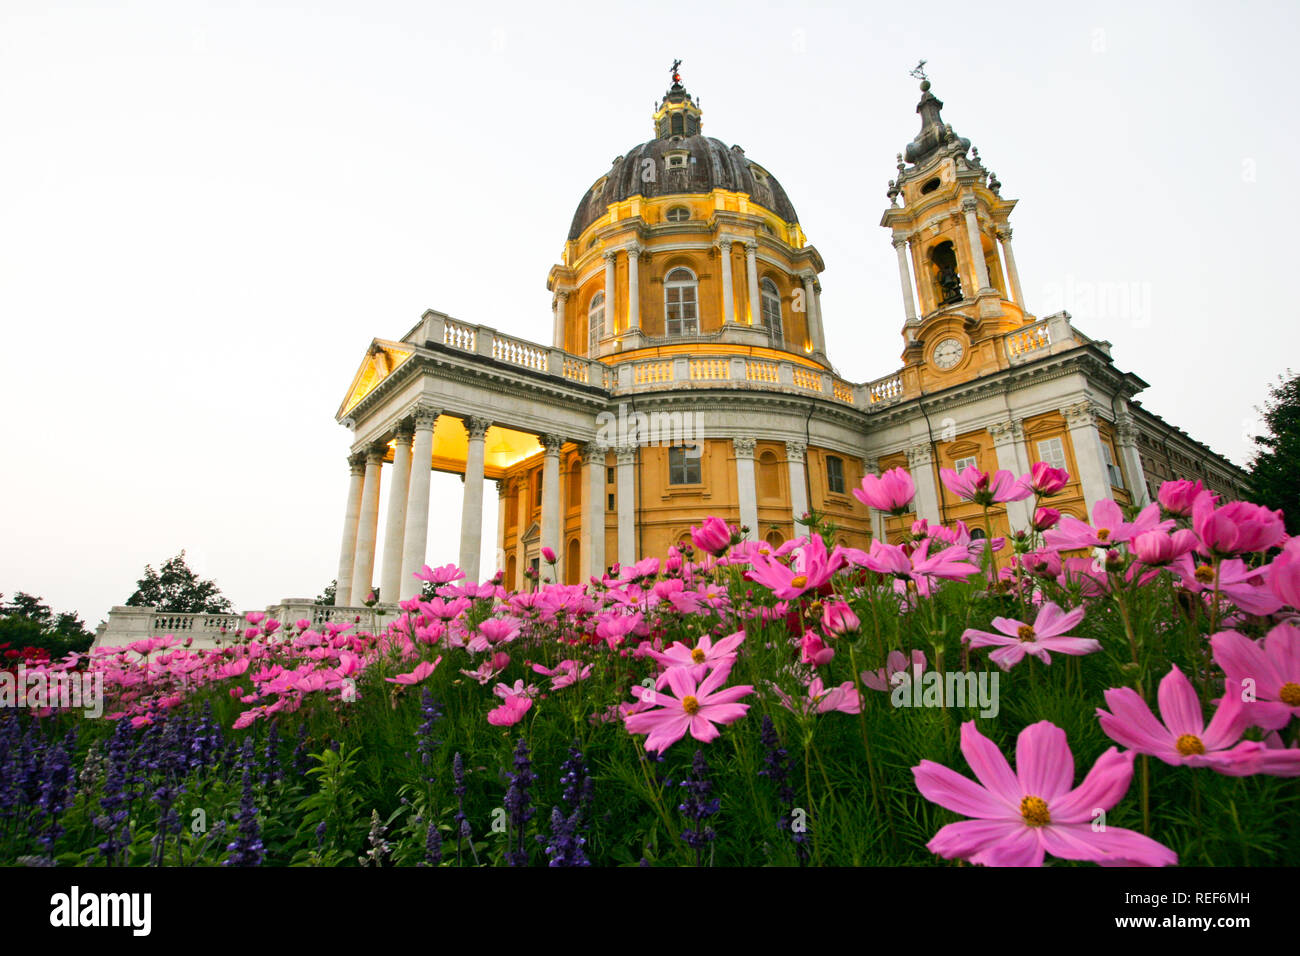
[(711, 165)]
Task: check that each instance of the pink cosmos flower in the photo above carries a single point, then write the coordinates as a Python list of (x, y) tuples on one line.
[(1236, 528), (838, 619), (813, 650), (1157, 548), (510, 712), (443, 575), (1109, 527), (891, 492), (1177, 497), (1237, 581), (1046, 518), (1045, 480), (695, 707), (548, 555), (895, 664), (700, 659), (564, 673), (714, 536), (812, 568), (822, 700), (1183, 738), (422, 670), (1273, 670), (255, 617), (1284, 574), (1046, 634), (1021, 816), (983, 489)]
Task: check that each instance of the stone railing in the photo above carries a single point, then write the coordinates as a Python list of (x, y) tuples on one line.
[(884, 391), (1045, 337), (517, 352), (127, 625)]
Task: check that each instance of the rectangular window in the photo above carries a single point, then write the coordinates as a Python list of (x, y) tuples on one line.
[(683, 469), (538, 497), (1112, 469), (835, 474), (1052, 451), (961, 464), (609, 475), (611, 501)]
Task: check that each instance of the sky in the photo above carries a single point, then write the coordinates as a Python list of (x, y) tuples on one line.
[(208, 210)]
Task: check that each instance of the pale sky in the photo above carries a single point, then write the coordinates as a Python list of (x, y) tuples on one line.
[(208, 210)]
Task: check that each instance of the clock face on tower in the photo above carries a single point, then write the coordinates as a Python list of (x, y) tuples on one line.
[(948, 353)]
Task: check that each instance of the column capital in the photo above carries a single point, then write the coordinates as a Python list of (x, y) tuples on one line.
[(1003, 233), (1126, 431), (870, 467), (1006, 432), (796, 450), (357, 463), (609, 255), (969, 205), (376, 452), (562, 297), (626, 454), (1079, 414), (425, 416), (476, 428), (744, 447), (634, 252), (919, 455), (551, 443), (593, 453), (501, 487), (751, 247), (724, 246), (899, 241), (404, 432)]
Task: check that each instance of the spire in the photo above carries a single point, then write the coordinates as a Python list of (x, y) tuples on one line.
[(677, 114), (935, 133)]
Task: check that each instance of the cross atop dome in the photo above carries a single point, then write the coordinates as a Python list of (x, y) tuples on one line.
[(677, 114)]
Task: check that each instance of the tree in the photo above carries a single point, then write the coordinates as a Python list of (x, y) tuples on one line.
[(327, 596), (1275, 467), (178, 590), (27, 621)]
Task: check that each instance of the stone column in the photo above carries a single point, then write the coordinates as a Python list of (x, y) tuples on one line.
[(751, 274), (1126, 437), (920, 465), (501, 526), (471, 509), (592, 541), (1081, 419), (363, 572), (821, 326), (626, 505), (1004, 237), (869, 467), (905, 277), (390, 578), (1008, 440), (728, 298), (968, 206), (611, 314), (415, 536), (746, 491), (351, 518), (561, 300), (551, 517), (633, 288), (795, 452), (812, 316)]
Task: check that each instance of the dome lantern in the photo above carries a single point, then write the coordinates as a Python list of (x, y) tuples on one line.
[(677, 114)]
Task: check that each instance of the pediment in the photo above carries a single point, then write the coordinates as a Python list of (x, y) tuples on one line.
[(534, 533), (382, 359)]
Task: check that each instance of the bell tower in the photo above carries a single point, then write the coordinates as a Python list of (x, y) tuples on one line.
[(949, 226)]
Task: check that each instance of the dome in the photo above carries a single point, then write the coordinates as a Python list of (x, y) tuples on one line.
[(699, 164)]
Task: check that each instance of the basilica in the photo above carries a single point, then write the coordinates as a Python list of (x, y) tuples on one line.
[(687, 374)]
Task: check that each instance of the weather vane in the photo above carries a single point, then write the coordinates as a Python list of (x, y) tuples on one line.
[(677, 77), (919, 72)]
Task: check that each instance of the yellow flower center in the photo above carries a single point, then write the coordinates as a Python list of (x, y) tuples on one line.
[(690, 705), (1189, 744), (1290, 694), (1034, 810), (1025, 633), (1103, 534), (799, 581), (697, 656), (1204, 574)]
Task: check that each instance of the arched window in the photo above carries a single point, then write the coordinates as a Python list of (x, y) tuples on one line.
[(680, 314), (595, 322), (678, 214), (774, 539), (678, 124), (769, 478), (772, 309), (947, 281)]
